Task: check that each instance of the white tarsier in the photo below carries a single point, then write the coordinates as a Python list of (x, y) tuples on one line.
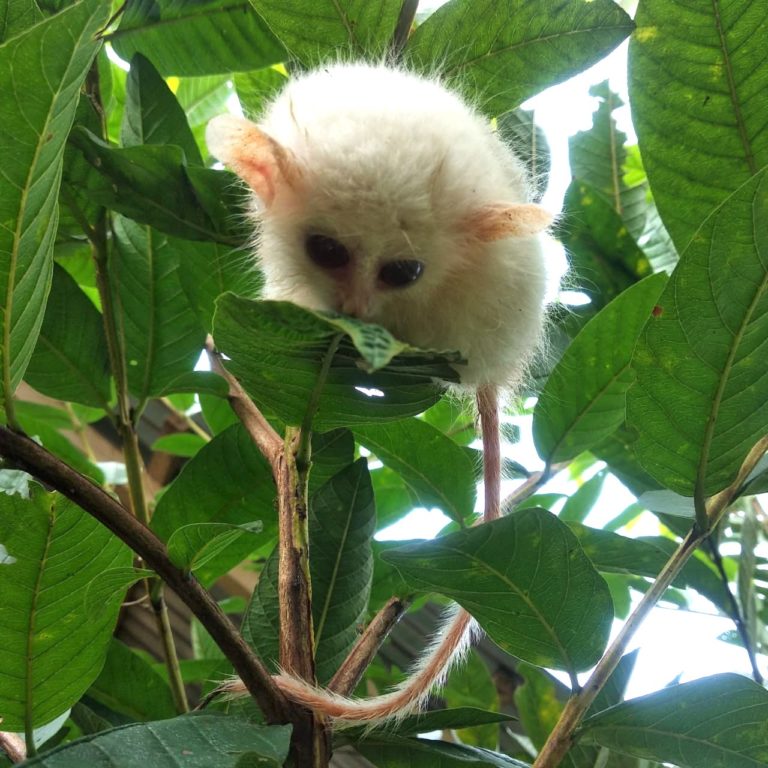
[(383, 195)]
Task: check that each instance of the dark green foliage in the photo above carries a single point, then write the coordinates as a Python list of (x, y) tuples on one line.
[(122, 248)]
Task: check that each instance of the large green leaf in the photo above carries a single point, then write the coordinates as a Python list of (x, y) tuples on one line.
[(701, 365), (40, 75), (527, 582), (209, 269), (718, 722), (51, 649), (160, 335), (504, 53), (191, 741), (202, 98), (152, 114), (584, 399), (698, 80), (128, 684), (605, 258), (153, 185), (70, 361), (228, 481), (341, 525), (207, 37), (597, 157), (16, 16), (395, 752), (277, 350), (437, 470), (315, 31)]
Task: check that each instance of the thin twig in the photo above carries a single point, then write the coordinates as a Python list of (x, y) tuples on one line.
[(37, 461), (530, 485), (403, 28), (263, 435), (349, 674), (191, 424), (561, 738)]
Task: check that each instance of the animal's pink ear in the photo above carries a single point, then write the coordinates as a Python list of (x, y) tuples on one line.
[(500, 220), (254, 156)]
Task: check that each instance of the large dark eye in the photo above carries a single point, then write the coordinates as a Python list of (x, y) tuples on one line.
[(326, 252), (396, 274)]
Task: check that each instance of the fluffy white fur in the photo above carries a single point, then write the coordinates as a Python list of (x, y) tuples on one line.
[(396, 167)]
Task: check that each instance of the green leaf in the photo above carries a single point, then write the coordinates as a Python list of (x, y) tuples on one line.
[(583, 401), (341, 525), (605, 259), (261, 623), (49, 61), (331, 453), (194, 382), (161, 338), (190, 741), (696, 81), (228, 481), (527, 139), (152, 185), (207, 37), (579, 504), (192, 546), (597, 157), (185, 444), (209, 269), (50, 648), (699, 364), (70, 361), (313, 32), (539, 701), (437, 470), (718, 721), (510, 575), (449, 719), (202, 98), (613, 553), (256, 89), (506, 53), (152, 114), (16, 16), (112, 585), (394, 752), (277, 350), (128, 684)]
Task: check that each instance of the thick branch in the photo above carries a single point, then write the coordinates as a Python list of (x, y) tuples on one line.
[(31, 457), (352, 669)]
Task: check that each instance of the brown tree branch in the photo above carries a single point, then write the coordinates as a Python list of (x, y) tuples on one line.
[(267, 440), (13, 746), (349, 674), (37, 461)]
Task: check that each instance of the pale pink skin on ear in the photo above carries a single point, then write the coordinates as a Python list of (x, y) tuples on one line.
[(253, 155), (496, 222)]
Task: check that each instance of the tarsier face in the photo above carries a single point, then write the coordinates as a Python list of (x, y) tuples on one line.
[(381, 195)]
